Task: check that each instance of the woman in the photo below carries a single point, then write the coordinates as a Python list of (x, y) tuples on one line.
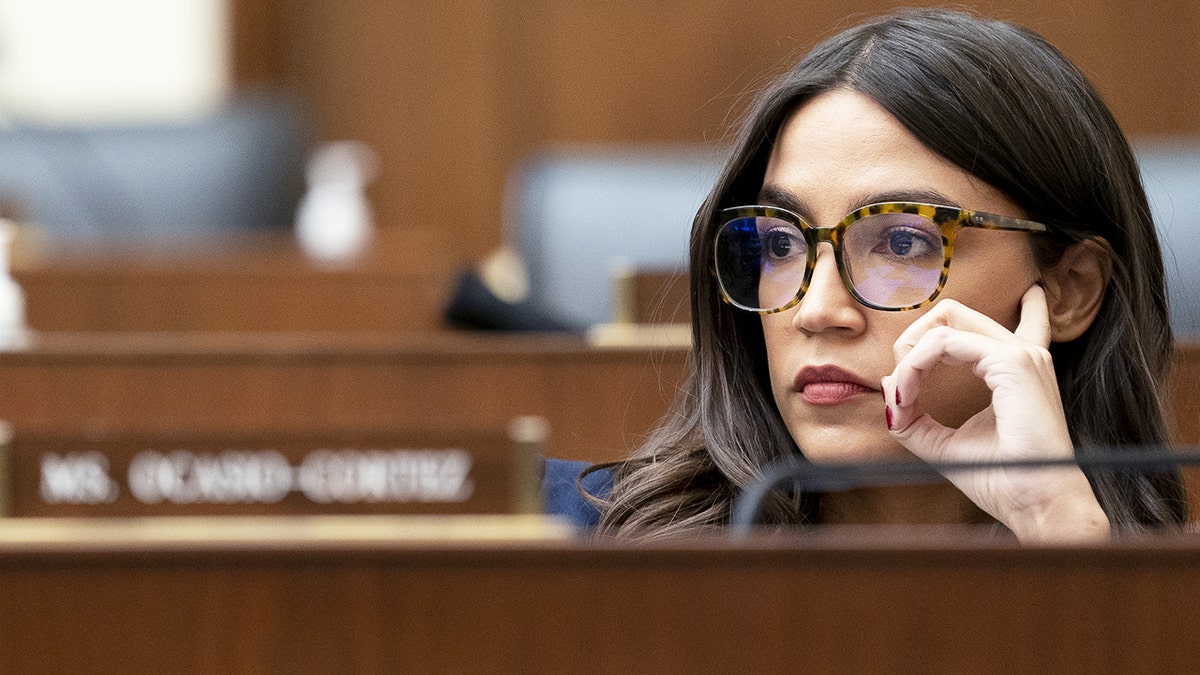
[(1048, 335)]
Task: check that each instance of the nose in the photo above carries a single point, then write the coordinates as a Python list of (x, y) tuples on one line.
[(827, 306)]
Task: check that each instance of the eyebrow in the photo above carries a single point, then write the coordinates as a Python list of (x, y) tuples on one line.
[(773, 195)]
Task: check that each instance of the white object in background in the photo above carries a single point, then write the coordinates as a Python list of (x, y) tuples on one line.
[(14, 334), (79, 62), (334, 221)]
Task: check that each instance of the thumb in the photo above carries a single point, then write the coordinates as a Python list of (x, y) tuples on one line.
[(924, 437)]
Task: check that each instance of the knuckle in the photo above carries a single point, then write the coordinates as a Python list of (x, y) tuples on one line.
[(941, 334), (1040, 356), (947, 305), (1034, 356)]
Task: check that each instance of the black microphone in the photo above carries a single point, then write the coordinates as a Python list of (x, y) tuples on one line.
[(812, 477)]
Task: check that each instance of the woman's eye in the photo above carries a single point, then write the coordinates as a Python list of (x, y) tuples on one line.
[(900, 242), (905, 243), (779, 244)]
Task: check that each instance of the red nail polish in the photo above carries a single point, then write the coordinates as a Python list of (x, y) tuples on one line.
[(887, 412)]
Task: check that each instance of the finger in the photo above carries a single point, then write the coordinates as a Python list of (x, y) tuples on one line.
[(940, 346), (952, 314), (924, 437), (1034, 325)]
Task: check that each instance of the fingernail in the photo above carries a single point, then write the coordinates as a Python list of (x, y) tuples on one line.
[(887, 412)]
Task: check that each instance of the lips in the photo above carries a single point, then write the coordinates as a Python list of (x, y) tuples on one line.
[(830, 385)]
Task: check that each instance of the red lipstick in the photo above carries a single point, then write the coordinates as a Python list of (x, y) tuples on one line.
[(830, 385)]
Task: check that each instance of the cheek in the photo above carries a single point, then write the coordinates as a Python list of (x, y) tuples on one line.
[(990, 272), (775, 328)]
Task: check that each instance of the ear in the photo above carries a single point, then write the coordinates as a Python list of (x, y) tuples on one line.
[(1075, 287)]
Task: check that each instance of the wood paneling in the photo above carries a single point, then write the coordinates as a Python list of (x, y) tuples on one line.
[(454, 95), (1183, 394), (661, 297), (860, 602), (598, 401), (259, 284)]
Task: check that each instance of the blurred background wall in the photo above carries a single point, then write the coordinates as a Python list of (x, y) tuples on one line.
[(454, 97)]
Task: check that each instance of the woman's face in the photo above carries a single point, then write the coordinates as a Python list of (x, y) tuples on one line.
[(838, 152)]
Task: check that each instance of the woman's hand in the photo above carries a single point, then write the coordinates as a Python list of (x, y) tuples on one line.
[(1024, 421)]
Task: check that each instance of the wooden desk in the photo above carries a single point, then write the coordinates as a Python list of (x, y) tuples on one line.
[(1183, 393), (248, 283), (132, 597), (598, 401)]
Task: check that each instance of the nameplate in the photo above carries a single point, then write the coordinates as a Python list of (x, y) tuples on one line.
[(189, 475)]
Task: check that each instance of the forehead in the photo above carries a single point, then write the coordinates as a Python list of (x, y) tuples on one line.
[(841, 149)]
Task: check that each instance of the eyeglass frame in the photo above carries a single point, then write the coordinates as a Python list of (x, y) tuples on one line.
[(949, 220)]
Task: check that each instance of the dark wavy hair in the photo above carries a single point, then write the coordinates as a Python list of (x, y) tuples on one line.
[(1005, 106)]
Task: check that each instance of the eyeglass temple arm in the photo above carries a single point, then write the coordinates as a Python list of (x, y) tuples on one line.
[(992, 221)]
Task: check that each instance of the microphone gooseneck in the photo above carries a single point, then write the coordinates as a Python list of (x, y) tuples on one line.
[(812, 477)]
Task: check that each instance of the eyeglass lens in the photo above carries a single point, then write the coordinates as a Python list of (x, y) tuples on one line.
[(892, 259)]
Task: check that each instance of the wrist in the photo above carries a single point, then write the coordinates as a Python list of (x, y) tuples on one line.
[(1067, 519)]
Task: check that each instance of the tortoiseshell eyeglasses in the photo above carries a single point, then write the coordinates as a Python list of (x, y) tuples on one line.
[(892, 256)]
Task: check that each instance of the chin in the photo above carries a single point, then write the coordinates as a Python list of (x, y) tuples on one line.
[(842, 446)]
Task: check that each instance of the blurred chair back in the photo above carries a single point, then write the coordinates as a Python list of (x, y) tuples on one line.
[(574, 214), (240, 168), (1171, 173)]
